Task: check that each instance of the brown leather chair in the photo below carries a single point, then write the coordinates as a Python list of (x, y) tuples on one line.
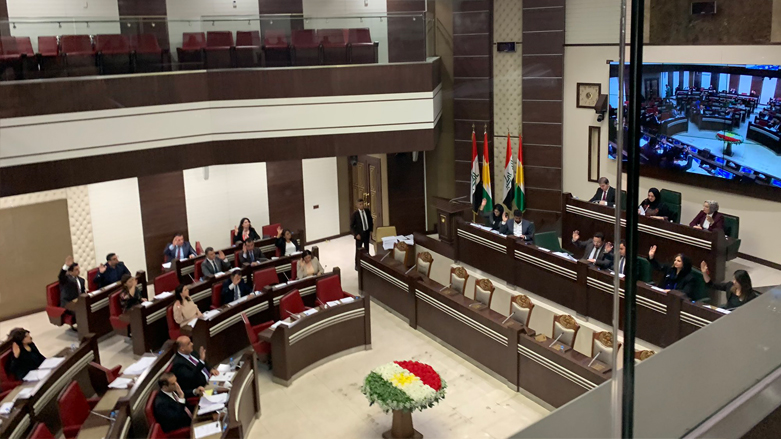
[(521, 309), (484, 291), (602, 344), (458, 278), (425, 260), (566, 326)]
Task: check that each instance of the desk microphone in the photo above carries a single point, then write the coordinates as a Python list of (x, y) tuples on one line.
[(593, 359), (442, 289), (410, 269), (554, 341), (383, 258), (103, 416), (283, 274), (508, 318)]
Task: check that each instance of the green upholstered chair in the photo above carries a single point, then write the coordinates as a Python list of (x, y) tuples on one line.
[(732, 230), (623, 200), (673, 201), (549, 240), (644, 271), (700, 291)]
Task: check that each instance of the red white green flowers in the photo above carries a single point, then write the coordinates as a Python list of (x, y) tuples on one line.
[(404, 385)]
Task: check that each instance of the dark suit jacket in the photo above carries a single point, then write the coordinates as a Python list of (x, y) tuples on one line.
[(356, 225), (70, 287), (717, 224), (170, 251), (280, 243), (258, 257), (188, 375), (207, 269), (111, 275), (526, 226), (589, 246), (608, 260), (227, 295), (169, 413), (611, 196), (253, 236)]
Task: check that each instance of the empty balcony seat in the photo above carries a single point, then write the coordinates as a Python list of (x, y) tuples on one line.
[(149, 57), (248, 52), (49, 59), (362, 49), (10, 59), (113, 54), (306, 47), (334, 46), (80, 56), (219, 50), (190, 55), (276, 48)]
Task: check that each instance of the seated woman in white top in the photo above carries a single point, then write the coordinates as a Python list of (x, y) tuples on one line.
[(285, 242), (308, 266)]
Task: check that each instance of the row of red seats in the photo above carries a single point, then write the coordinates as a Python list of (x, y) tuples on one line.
[(302, 47), (79, 55)]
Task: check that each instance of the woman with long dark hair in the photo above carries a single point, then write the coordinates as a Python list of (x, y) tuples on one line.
[(739, 289), (653, 207), (184, 308), (497, 218), (285, 242), (678, 275), (25, 355), (130, 295), (245, 232)]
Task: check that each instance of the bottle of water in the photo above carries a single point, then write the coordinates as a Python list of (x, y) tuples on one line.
[(74, 346), (232, 365)]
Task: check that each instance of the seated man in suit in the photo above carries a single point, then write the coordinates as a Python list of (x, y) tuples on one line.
[(214, 263), (234, 288), (178, 249), (110, 272), (169, 409), (71, 285), (605, 195), (250, 255), (608, 262), (519, 227), (595, 249), (191, 371)]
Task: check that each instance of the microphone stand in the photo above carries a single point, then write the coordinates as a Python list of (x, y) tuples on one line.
[(554, 341)]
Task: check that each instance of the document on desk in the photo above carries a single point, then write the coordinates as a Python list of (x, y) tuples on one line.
[(6, 408), (211, 313), (309, 312), (220, 398), (37, 375), (274, 326), (51, 363), (332, 303), (140, 366), (347, 300), (167, 265), (147, 304), (388, 242), (192, 322), (223, 377), (163, 295), (120, 383), (26, 393), (212, 428), (655, 288)]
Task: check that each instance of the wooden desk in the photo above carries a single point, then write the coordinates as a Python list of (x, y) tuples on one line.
[(481, 248), (92, 309), (386, 281), (671, 238), (307, 288), (317, 338), (96, 426), (674, 125), (478, 334), (694, 316)]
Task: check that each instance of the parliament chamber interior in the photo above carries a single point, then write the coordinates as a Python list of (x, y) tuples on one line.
[(382, 218)]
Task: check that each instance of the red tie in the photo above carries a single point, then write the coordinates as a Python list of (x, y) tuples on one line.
[(604, 195)]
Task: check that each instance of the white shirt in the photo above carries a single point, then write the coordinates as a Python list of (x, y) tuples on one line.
[(706, 224), (518, 228), (290, 248), (174, 396), (621, 265), (364, 222), (593, 254)]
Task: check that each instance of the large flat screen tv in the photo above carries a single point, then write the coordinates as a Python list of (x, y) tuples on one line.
[(712, 125)]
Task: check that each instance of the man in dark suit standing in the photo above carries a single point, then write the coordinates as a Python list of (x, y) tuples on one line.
[(595, 248), (234, 288), (605, 195), (362, 226), (519, 227), (169, 409), (178, 249), (71, 285), (110, 272), (190, 369)]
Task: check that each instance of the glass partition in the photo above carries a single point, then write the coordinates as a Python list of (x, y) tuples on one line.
[(63, 47)]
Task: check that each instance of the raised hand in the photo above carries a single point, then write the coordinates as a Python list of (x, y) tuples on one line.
[(482, 205), (202, 352), (575, 235), (704, 267), (102, 268), (279, 231), (608, 247), (505, 216), (652, 252), (69, 260), (221, 254)]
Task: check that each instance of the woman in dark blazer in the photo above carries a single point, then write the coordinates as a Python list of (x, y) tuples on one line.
[(245, 231), (677, 276), (739, 289), (497, 218), (653, 207), (709, 217), (285, 242)]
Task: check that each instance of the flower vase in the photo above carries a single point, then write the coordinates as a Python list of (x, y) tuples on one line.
[(402, 427)]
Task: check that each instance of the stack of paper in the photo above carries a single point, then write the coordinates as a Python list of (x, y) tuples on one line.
[(120, 383), (192, 322), (238, 301), (26, 393), (657, 289), (167, 265), (406, 239), (309, 312), (211, 313), (6, 408), (332, 303), (223, 377), (140, 366), (389, 241), (51, 363), (37, 375), (223, 368), (210, 429), (347, 300), (147, 303), (212, 403), (163, 295), (274, 326)]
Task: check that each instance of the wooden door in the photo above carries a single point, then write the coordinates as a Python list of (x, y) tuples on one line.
[(366, 178)]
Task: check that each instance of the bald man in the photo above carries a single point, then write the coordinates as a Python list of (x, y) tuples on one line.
[(192, 372)]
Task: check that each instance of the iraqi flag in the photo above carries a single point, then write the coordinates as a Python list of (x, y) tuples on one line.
[(474, 178), (520, 195), (489, 204), (508, 187)]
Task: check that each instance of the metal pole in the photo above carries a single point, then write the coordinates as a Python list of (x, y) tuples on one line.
[(633, 183), (616, 385)]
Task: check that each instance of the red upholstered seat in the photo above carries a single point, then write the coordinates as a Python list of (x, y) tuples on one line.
[(40, 431), (248, 38), (166, 282), (276, 48), (174, 330), (293, 269), (198, 273), (362, 48), (115, 310), (219, 39), (261, 347), (306, 47), (91, 279), (247, 51), (80, 55), (145, 43), (16, 46), (262, 278), (74, 409), (198, 248), (148, 54), (275, 39), (329, 289), (270, 230), (334, 46), (149, 411), (218, 49), (233, 236), (112, 44), (7, 381), (291, 303), (76, 45), (216, 295), (236, 258), (48, 46), (49, 57), (111, 374), (191, 53), (57, 314)]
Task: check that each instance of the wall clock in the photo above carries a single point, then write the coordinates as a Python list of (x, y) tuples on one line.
[(588, 94)]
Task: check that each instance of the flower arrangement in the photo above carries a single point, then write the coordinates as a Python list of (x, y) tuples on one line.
[(404, 385)]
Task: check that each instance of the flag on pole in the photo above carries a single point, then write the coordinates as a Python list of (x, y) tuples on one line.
[(475, 194), (489, 205), (520, 196), (508, 190)]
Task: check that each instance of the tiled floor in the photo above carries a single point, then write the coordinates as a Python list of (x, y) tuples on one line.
[(327, 402)]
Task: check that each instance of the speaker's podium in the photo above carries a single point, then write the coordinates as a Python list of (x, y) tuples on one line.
[(447, 213)]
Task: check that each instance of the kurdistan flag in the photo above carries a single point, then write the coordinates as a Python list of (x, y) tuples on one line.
[(474, 178), (489, 205), (508, 189), (520, 196)]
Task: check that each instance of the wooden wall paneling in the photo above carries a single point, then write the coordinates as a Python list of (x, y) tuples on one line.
[(542, 114), (738, 22), (406, 194), (4, 27), (406, 30), (280, 7), (286, 193), (163, 214)]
